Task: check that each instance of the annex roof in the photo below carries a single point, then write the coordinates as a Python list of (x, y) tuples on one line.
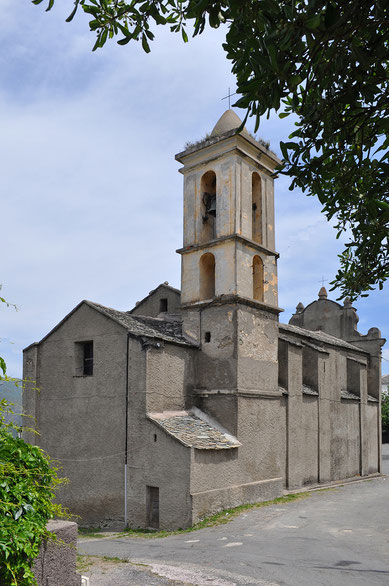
[(161, 286), (194, 429), (138, 326), (319, 336), (150, 327)]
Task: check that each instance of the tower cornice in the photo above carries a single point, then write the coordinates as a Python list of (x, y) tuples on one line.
[(218, 146), (222, 239), (232, 300)]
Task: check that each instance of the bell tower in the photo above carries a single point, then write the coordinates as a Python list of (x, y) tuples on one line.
[(229, 290), (229, 245)]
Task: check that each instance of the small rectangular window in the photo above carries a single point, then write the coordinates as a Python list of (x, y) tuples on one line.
[(84, 358), (163, 305), (88, 358), (207, 337)]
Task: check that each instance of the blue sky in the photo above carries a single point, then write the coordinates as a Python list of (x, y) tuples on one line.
[(91, 204)]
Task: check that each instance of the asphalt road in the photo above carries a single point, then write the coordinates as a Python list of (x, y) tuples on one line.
[(337, 537)]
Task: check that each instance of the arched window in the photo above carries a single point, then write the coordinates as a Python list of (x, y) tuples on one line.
[(208, 206), (207, 276), (258, 278), (256, 208)]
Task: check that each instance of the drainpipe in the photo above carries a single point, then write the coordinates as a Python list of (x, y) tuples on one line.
[(126, 438)]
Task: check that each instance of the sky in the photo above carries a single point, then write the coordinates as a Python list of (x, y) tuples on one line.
[(91, 197)]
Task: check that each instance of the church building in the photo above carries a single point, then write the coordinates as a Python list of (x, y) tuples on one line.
[(201, 399)]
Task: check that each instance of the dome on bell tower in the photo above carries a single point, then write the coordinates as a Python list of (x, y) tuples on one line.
[(227, 122)]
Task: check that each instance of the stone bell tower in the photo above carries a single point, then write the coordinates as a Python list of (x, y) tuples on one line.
[(229, 268), (229, 246)]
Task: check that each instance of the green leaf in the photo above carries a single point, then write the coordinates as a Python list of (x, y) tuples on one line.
[(313, 22), (72, 14), (145, 45)]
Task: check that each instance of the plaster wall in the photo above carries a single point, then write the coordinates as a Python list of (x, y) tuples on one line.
[(373, 438), (345, 439), (169, 378), (328, 438), (216, 363), (309, 438), (324, 315), (244, 273), (250, 473), (151, 306), (81, 418), (225, 282), (29, 394), (154, 458), (257, 350)]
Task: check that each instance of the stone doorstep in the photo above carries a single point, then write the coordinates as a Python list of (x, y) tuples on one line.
[(335, 483)]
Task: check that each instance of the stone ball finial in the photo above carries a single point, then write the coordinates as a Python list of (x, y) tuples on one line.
[(299, 307), (166, 282), (323, 293), (374, 333), (347, 302)]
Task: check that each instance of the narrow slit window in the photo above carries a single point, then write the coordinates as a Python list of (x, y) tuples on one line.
[(84, 358), (256, 208), (88, 359), (207, 337)]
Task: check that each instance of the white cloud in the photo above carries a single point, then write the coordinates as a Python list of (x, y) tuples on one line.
[(91, 203)]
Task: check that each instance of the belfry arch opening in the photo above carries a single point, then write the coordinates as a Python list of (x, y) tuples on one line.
[(208, 206), (207, 276), (258, 278), (256, 191)]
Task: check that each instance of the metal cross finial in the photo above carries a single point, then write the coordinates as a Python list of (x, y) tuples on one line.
[(229, 98), (323, 280)]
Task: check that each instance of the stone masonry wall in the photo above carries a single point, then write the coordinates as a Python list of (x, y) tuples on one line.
[(56, 563)]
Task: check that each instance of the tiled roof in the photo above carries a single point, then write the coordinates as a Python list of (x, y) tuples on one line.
[(150, 327), (372, 399), (194, 431), (348, 395), (309, 391), (319, 336)]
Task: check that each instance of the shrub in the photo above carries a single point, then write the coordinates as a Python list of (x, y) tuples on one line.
[(385, 412), (27, 483)]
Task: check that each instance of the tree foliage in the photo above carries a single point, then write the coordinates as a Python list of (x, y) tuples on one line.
[(325, 61), (27, 483), (385, 411), (28, 480)]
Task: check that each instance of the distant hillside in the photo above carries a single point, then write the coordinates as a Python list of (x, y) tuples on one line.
[(13, 394)]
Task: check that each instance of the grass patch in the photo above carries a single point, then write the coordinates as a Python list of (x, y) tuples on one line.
[(84, 562), (90, 532), (220, 518), (116, 560)]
